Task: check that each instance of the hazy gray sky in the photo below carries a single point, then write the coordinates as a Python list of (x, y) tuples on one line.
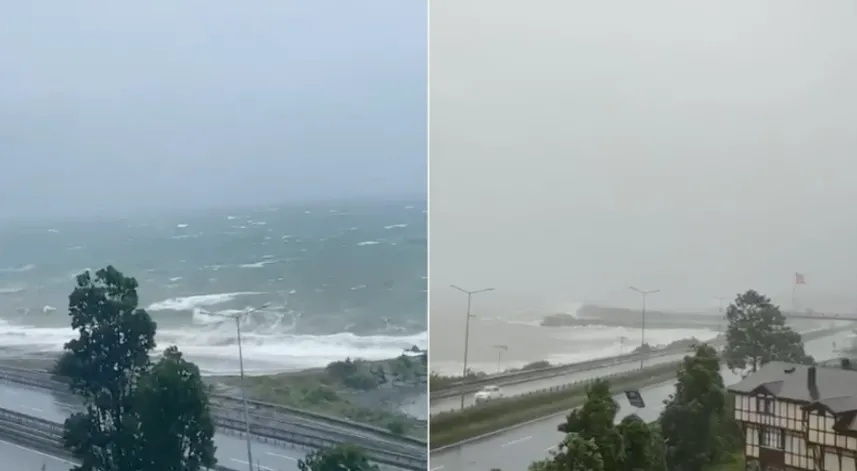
[(699, 148), (162, 103)]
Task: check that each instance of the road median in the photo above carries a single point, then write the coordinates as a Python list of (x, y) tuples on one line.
[(448, 428)]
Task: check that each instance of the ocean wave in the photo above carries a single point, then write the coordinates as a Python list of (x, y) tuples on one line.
[(215, 352), (188, 303), (21, 269)]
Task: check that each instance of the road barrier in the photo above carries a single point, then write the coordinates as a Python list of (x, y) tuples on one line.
[(474, 384), (268, 428), (347, 428), (41, 435), (806, 336), (36, 429)]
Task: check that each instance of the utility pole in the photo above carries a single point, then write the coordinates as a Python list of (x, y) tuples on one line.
[(720, 299), (467, 327), (500, 350), (644, 293), (237, 319)]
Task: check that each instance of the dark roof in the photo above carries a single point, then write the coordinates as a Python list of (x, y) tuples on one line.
[(836, 389)]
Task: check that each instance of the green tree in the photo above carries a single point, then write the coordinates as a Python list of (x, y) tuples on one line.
[(175, 403), (757, 333), (695, 417), (124, 425), (338, 458), (112, 349), (594, 420), (574, 453), (637, 442)]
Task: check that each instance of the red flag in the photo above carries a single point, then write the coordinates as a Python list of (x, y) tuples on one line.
[(799, 279)]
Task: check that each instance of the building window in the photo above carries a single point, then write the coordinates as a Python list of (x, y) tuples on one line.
[(765, 405), (771, 437)]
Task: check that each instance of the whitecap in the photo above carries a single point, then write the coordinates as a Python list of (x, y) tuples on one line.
[(21, 269), (186, 303), (260, 264), (395, 226), (368, 242)]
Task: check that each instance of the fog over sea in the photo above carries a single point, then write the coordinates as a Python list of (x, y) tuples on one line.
[(344, 279)]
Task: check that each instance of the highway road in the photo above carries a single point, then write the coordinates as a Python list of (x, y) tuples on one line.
[(453, 403), (516, 449), (18, 458), (231, 450)]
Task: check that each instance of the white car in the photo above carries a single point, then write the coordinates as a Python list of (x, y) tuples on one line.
[(488, 393)]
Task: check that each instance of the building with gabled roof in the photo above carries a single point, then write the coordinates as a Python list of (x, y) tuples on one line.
[(798, 417)]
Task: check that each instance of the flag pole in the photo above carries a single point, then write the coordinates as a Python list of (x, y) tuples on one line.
[(794, 295)]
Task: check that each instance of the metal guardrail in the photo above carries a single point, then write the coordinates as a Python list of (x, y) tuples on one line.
[(811, 335), (46, 430), (471, 385), (349, 429), (41, 434), (572, 385), (506, 379), (233, 423)]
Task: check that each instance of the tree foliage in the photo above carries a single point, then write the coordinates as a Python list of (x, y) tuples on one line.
[(757, 333), (175, 400), (574, 453), (695, 423), (626, 446), (338, 458), (637, 437), (136, 416)]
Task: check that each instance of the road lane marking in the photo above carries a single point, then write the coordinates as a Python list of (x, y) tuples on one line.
[(281, 456), (515, 442), (34, 409), (436, 468), (37, 452), (256, 466)]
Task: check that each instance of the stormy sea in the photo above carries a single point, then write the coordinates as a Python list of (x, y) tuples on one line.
[(340, 280)]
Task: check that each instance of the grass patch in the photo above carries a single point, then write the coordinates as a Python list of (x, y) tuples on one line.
[(452, 427), (352, 389)]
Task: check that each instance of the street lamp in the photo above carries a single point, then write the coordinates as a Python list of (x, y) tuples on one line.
[(237, 318), (467, 327), (644, 293), (720, 299), (500, 350)]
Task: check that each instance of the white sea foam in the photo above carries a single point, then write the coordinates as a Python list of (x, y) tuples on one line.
[(368, 242), (395, 226), (259, 264), (21, 269), (215, 351), (188, 303)]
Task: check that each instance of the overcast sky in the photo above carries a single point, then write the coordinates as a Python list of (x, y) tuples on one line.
[(702, 148), (160, 104)]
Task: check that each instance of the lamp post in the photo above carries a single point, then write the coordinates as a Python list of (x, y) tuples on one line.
[(500, 350), (237, 319), (720, 299), (644, 293), (467, 327)]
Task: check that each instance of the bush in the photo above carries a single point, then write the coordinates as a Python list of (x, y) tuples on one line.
[(357, 374)]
